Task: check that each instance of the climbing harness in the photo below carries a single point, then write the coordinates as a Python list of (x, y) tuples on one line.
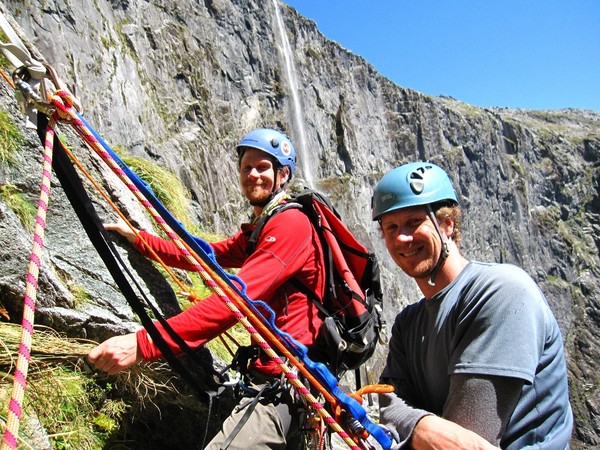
[(268, 390), (256, 316)]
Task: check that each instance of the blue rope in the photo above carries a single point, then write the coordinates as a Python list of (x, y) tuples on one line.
[(205, 251)]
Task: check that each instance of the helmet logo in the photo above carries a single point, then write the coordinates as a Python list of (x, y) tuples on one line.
[(286, 148), (387, 198), (416, 181)]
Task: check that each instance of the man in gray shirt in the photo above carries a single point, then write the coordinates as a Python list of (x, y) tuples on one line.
[(478, 362)]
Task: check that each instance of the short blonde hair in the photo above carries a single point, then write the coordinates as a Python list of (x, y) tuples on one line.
[(453, 213)]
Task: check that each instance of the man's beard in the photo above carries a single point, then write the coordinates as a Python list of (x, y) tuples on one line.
[(259, 197)]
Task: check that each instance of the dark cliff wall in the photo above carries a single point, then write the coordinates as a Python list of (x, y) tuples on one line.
[(179, 83)]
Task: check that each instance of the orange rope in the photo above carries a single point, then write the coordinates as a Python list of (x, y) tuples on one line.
[(232, 299), (156, 257), (371, 389), (7, 78), (104, 195)]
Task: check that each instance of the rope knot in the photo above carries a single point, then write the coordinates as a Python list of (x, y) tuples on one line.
[(63, 101), (68, 98)]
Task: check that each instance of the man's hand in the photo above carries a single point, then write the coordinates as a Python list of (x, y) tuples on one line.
[(115, 354), (123, 229), (435, 433)]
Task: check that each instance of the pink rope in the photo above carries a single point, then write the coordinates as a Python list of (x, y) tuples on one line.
[(15, 408)]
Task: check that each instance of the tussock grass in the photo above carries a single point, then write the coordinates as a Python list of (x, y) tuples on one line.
[(165, 185), (66, 402)]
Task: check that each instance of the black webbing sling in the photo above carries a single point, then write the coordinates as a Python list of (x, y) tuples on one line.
[(83, 207)]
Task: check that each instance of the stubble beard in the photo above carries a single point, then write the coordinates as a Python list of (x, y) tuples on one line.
[(421, 270)]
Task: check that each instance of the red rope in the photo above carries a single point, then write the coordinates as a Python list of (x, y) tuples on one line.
[(243, 313)]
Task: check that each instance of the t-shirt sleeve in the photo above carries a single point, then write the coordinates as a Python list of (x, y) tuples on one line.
[(500, 329), (482, 404)]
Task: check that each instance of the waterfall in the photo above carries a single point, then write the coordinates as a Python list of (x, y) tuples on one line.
[(290, 71)]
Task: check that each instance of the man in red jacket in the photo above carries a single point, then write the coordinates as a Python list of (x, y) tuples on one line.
[(288, 248)]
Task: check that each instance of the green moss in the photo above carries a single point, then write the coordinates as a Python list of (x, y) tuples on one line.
[(313, 52), (23, 209), (517, 166), (454, 156), (80, 295), (11, 139), (548, 218), (580, 245), (106, 421), (4, 62), (167, 188), (107, 42), (175, 197)]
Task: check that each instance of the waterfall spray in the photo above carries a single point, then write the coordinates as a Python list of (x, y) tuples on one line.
[(290, 72)]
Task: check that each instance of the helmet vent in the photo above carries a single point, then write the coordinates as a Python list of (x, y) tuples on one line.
[(274, 143), (416, 181)]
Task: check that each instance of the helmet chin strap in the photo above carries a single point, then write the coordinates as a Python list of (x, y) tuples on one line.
[(444, 252)]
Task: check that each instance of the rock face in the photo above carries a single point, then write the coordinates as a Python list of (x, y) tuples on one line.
[(178, 83)]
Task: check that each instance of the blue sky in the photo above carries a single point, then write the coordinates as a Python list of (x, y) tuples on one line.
[(529, 54)]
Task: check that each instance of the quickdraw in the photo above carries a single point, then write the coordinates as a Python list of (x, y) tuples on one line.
[(62, 106)]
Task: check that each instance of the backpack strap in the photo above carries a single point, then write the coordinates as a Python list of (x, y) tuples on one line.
[(261, 222), (252, 242), (311, 295)]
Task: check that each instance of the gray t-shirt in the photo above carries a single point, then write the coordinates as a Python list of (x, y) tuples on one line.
[(494, 321)]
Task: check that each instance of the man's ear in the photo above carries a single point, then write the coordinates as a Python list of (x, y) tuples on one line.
[(284, 175), (448, 227)]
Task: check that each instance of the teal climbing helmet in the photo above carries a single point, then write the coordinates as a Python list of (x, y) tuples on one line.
[(412, 184), (272, 142)]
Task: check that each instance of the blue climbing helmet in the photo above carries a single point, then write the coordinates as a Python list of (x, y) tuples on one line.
[(272, 142), (413, 184)]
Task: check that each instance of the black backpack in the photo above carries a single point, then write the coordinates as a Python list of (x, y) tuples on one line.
[(352, 304)]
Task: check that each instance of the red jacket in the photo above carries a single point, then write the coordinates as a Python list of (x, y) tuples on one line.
[(288, 247)]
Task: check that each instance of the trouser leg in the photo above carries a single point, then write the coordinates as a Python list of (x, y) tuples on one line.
[(271, 425)]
